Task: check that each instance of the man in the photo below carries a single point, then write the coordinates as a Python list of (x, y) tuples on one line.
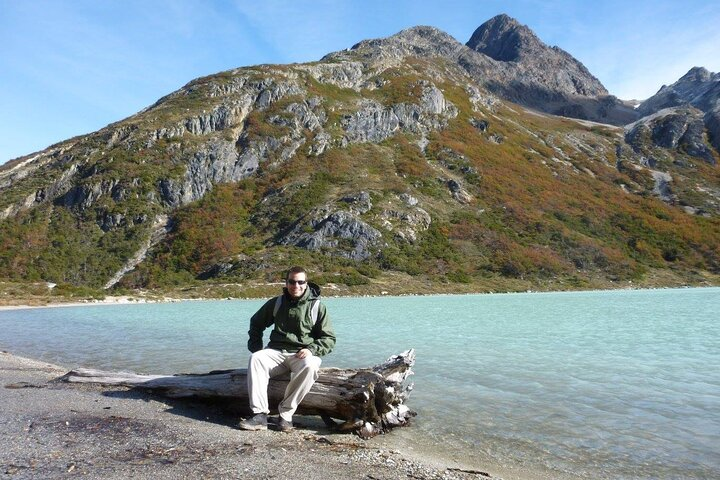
[(301, 335)]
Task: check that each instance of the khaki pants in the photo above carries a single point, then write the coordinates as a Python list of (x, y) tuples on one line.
[(268, 363)]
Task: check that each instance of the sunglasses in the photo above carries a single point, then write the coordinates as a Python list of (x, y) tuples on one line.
[(297, 282)]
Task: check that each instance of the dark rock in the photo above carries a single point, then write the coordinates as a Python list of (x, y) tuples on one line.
[(454, 186), (680, 128), (508, 60), (503, 38), (216, 270), (458, 192), (667, 131), (110, 221), (339, 231), (513, 63), (693, 142), (481, 125), (358, 203), (572, 111), (712, 123)]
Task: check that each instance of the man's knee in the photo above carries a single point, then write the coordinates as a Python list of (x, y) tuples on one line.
[(261, 360), (312, 364), (255, 358)]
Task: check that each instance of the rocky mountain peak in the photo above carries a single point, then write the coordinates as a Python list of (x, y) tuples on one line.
[(420, 41), (516, 65), (698, 87), (697, 74), (503, 38)]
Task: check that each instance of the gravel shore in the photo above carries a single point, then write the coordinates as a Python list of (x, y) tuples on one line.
[(51, 429)]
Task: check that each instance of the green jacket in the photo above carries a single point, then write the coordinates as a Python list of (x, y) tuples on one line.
[(294, 329)]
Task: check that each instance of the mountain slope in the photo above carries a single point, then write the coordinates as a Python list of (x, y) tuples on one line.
[(390, 160)]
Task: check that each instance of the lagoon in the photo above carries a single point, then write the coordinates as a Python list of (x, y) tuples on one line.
[(611, 384)]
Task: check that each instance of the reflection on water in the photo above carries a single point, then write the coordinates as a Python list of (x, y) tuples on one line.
[(592, 384)]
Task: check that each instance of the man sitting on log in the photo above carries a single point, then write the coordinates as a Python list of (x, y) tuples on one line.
[(302, 333)]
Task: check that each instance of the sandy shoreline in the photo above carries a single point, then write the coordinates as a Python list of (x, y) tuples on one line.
[(110, 300), (52, 430)]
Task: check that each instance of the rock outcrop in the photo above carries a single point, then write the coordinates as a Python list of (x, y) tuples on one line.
[(680, 128), (374, 122), (341, 232), (698, 88)]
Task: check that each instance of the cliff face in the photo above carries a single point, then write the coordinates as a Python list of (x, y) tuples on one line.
[(400, 154)]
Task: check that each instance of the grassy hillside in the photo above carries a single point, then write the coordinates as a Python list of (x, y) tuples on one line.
[(517, 200)]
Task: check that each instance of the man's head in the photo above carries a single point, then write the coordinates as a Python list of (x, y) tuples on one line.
[(296, 282)]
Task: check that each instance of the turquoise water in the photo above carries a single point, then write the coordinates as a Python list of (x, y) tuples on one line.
[(620, 384)]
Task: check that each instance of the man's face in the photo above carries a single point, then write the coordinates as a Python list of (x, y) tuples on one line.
[(296, 284)]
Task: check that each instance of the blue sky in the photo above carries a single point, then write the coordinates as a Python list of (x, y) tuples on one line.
[(71, 67)]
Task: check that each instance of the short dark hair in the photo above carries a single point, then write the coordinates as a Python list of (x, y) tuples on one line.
[(295, 270)]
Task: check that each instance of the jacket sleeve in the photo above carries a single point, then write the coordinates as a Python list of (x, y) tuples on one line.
[(323, 334), (262, 319)]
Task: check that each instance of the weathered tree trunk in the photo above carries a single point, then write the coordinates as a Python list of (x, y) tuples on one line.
[(368, 400)]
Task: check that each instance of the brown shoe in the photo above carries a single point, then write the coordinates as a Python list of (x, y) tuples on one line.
[(256, 422)]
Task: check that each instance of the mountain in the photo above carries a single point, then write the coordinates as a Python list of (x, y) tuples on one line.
[(507, 59), (398, 165), (505, 40), (700, 89), (547, 78)]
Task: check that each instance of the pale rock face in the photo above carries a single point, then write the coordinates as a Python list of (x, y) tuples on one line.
[(329, 230), (374, 122), (336, 227), (405, 219), (343, 75), (358, 203)]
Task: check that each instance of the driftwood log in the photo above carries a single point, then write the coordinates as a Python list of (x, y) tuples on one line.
[(368, 401)]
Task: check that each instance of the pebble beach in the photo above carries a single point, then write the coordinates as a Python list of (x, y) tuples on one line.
[(50, 429)]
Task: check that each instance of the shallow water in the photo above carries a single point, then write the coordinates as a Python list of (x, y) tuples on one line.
[(620, 384)]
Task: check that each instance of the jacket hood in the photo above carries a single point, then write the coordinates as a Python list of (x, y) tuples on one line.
[(314, 289)]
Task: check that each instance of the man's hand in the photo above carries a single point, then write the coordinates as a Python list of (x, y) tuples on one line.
[(304, 352)]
